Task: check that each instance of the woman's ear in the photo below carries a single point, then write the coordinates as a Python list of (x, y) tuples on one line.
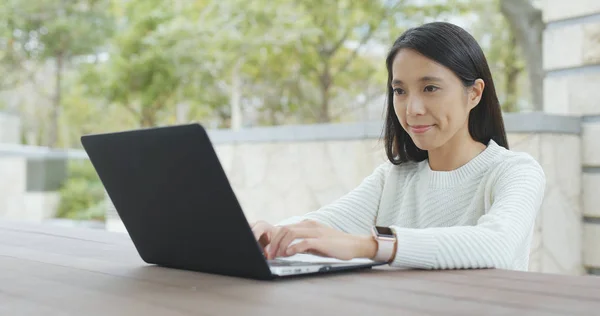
[(475, 93)]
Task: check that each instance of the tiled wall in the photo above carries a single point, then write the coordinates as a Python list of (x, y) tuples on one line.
[(572, 63)]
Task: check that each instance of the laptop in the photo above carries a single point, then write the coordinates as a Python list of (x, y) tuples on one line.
[(176, 203)]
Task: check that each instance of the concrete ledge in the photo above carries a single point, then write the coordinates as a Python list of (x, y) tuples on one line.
[(313, 132), (535, 122), (39, 152), (590, 118), (590, 144), (583, 19), (591, 247)]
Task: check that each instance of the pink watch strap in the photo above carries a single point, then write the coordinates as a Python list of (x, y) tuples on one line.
[(385, 249)]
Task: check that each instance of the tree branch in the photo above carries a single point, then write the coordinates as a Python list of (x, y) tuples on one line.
[(527, 24), (363, 41), (341, 41)]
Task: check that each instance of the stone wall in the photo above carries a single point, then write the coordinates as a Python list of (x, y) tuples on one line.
[(29, 177), (285, 171), (572, 63)]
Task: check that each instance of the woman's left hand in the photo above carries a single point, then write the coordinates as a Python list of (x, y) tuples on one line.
[(343, 247), (320, 240)]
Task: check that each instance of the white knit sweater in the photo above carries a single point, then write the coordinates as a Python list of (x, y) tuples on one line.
[(480, 215)]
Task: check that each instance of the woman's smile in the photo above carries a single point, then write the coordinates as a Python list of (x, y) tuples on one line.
[(420, 129)]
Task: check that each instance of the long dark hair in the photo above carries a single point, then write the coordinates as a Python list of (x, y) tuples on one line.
[(456, 49)]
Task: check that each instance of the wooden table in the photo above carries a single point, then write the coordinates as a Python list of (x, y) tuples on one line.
[(49, 270)]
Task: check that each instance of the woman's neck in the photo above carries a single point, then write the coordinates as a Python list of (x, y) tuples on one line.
[(457, 152)]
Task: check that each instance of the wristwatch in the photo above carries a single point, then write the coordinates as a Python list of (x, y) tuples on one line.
[(386, 240)]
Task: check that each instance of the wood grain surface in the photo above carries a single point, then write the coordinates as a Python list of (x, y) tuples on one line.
[(49, 270)]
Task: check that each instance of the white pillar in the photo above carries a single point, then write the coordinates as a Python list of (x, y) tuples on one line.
[(572, 87)]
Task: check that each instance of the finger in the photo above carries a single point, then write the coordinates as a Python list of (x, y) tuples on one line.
[(276, 238), (280, 247), (285, 242), (260, 229), (263, 241), (306, 245)]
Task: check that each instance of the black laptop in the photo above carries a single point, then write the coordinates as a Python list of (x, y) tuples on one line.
[(177, 205)]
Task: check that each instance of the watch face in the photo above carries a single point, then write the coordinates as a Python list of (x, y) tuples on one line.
[(384, 231)]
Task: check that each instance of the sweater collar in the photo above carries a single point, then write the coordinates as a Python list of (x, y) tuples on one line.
[(474, 167)]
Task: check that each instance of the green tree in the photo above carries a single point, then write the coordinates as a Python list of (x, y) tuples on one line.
[(82, 195), (331, 69), (527, 25), (498, 41), (52, 31)]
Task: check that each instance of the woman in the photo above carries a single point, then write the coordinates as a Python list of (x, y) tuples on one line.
[(452, 196)]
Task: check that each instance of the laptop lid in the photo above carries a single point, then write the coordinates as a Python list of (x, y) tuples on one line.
[(175, 200)]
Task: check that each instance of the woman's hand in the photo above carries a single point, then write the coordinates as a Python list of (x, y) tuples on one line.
[(317, 238), (344, 247), (263, 232)]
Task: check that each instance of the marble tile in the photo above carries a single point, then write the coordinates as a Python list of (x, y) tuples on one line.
[(13, 175), (591, 43), (561, 209), (556, 95), (535, 262), (350, 162), (13, 172), (571, 45), (525, 142), (574, 93), (561, 230), (561, 161), (34, 207), (591, 144), (591, 194), (591, 245), (583, 92), (550, 265), (226, 154), (535, 254), (563, 47)]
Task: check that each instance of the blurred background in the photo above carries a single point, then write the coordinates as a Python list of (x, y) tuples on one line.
[(293, 95)]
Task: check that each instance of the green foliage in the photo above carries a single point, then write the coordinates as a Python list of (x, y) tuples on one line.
[(43, 29), (135, 63), (35, 34), (504, 56), (82, 195)]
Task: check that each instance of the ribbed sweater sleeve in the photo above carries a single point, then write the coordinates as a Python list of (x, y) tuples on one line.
[(494, 241)]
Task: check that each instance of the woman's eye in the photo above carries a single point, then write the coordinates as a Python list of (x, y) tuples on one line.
[(398, 91), (431, 88)]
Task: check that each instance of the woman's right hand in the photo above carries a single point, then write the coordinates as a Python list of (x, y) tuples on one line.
[(263, 232), (275, 240)]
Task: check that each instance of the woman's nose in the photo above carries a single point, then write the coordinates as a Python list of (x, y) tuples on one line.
[(415, 106)]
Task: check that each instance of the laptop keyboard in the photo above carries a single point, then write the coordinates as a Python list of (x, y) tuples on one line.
[(288, 263)]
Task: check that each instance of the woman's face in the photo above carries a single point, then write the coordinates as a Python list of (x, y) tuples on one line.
[(430, 101)]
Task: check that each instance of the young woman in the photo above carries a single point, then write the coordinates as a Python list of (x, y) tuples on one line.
[(452, 196)]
